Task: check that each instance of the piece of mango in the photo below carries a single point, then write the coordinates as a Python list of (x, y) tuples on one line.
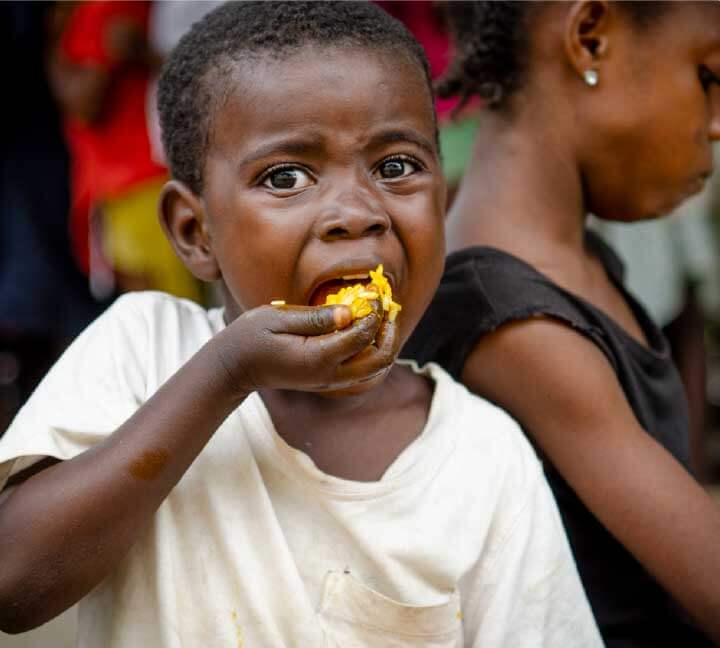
[(359, 296)]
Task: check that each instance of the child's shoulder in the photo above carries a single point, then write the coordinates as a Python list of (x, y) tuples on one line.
[(491, 463), (153, 303), (485, 435), (151, 333), (467, 408), (161, 313)]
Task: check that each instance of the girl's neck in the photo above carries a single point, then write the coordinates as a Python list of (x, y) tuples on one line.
[(522, 190)]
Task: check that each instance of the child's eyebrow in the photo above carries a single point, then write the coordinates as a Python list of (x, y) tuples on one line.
[(411, 136), (283, 147), (310, 145)]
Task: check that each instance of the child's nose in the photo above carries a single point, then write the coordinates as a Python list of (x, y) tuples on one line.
[(353, 214)]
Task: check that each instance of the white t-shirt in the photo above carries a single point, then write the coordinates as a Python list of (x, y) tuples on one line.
[(459, 544)]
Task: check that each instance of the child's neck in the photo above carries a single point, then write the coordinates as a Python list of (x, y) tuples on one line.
[(522, 191), (355, 437)]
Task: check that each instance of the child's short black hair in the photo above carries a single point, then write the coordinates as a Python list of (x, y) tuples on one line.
[(198, 71), (491, 42)]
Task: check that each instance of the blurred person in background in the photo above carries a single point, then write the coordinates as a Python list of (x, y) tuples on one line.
[(100, 75), (44, 298)]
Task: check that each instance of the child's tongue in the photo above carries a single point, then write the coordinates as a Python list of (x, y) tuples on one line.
[(328, 288)]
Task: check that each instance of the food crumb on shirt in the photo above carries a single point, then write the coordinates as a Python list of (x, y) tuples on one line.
[(238, 631)]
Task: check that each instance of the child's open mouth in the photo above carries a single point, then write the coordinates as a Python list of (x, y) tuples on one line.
[(362, 293), (333, 286), (359, 295)]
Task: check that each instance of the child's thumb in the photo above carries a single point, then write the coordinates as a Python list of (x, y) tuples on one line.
[(312, 320)]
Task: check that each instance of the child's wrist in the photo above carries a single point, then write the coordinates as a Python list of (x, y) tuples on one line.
[(233, 378)]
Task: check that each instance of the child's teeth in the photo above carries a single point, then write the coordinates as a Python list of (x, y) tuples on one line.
[(355, 276)]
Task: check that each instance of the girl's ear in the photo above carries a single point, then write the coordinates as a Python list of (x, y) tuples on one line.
[(586, 36), (183, 217)]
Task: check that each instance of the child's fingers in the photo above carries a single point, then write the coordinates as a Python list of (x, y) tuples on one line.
[(287, 361), (387, 340), (314, 347), (308, 320), (329, 351), (375, 358)]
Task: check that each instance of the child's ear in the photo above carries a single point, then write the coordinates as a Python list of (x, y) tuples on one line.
[(183, 217), (586, 34)]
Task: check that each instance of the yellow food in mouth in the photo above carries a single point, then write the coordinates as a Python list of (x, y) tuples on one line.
[(359, 296)]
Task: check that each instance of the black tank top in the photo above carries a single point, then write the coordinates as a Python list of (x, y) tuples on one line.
[(483, 288)]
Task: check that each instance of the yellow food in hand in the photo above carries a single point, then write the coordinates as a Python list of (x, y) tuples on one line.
[(359, 296)]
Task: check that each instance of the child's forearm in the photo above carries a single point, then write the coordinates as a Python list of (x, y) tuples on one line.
[(66, 528)]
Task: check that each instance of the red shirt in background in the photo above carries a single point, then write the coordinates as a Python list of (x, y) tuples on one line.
[(111, 155)]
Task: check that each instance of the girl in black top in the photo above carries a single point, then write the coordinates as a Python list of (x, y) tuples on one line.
[(592, 107)]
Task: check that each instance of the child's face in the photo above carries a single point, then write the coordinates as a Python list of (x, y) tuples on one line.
[(653, 118), (323, 165)]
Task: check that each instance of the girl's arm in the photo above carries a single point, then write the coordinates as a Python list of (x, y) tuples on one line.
[(563, 391)]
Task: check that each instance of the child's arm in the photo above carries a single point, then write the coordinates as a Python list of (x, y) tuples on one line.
[(64, 529), (564, 392)]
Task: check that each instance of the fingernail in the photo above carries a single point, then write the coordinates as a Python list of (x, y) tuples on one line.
[(342, 316)]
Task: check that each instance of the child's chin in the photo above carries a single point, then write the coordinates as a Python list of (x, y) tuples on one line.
[(357, 388)]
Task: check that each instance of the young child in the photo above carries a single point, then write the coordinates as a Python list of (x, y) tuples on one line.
[(608, 108), (266, 475)]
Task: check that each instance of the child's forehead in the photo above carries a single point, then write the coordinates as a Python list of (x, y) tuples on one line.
[(313, 61), (341, 74)]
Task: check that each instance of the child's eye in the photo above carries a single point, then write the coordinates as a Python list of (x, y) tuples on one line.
[(707, 77), (397, 167), (286, 177)]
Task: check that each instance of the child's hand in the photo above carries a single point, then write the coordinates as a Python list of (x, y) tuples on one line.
[(305, 348)]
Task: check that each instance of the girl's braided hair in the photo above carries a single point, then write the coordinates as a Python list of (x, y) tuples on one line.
[(491, 39)]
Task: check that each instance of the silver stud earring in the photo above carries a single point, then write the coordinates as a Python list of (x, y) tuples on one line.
[(591, 77)]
